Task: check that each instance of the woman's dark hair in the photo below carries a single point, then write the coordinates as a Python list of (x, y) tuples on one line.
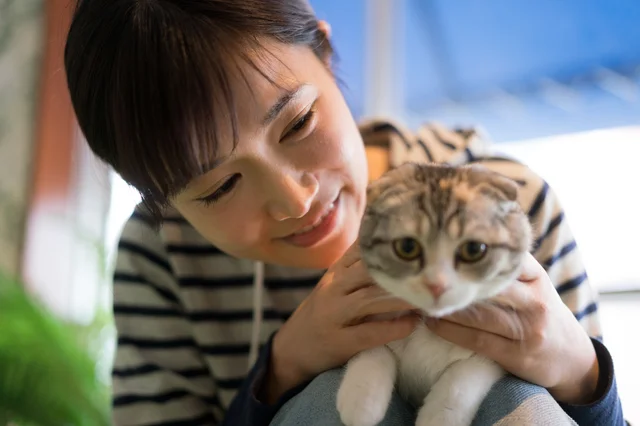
[(150, 79)]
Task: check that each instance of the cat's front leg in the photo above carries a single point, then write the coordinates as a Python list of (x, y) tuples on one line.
[(455, 398), (367, 386)]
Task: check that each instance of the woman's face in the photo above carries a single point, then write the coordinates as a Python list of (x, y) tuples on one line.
[(293, 190)]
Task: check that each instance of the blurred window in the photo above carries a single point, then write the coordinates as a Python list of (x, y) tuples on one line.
[(594, 173)]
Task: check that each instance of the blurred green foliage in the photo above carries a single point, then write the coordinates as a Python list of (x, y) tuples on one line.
[(49, 374)]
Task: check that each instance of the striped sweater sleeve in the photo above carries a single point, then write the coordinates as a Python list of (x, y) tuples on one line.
[(554, 246), (557, 251), (247, 409), (159, 378)]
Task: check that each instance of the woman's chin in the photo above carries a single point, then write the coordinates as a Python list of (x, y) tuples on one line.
[(305, 261), (323, 257), (319, 257)]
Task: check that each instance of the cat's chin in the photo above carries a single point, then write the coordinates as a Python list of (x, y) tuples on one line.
[(448, 306), (440, 312)]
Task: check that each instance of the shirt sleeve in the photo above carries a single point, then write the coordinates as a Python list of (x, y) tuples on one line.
[(557, 251), (246, 409), (607, 409), (159, 377), (554, 245)]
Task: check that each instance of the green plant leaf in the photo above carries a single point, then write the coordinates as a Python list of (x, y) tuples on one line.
[(46, 378)]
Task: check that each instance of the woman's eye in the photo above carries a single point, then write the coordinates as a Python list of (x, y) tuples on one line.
[(224, 189), (300, 125)]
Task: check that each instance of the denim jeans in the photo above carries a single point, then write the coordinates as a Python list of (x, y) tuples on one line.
[(510, 402)]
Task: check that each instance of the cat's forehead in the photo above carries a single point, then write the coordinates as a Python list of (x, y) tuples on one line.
[(418, 183), (428, 200)]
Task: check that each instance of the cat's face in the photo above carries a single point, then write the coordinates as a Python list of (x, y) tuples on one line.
[(443, 238)]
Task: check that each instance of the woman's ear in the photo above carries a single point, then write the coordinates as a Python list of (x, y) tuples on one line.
[(325, 29)]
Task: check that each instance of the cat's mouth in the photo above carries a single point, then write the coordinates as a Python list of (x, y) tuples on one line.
[(441, 308), (437, 307)]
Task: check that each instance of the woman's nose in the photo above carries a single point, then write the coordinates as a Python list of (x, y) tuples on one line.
[(291, 197)]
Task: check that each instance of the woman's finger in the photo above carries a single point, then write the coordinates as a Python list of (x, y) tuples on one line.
[(351, 256), (496, 319), (377, 333), (491, 345), (510, 314), (531, 269), (535, 277), (367, 293), (352, 279), (518, 295), (375, 307)]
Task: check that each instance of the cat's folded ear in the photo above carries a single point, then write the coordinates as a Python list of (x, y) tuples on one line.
[(492, 183), (393, 179)]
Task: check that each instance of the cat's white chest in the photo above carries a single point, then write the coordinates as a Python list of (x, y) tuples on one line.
[(428, 371), (422, 358)]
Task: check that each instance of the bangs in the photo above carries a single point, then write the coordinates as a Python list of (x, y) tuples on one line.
[(173, 99), (152, 82)]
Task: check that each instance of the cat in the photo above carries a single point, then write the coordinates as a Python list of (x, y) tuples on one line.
[(442, 238)]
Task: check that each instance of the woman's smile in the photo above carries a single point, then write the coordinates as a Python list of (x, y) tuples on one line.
[(319, 225)]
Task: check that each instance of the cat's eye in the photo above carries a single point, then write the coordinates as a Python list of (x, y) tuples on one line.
[(471, 251), (407, 248)]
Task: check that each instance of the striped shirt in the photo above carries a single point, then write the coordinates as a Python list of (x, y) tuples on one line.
[(183, 309)]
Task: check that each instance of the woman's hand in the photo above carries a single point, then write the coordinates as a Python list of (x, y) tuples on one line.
[(329, 326), (532, 334)]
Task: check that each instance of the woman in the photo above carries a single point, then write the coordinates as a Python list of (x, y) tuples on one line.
[(226, 117)]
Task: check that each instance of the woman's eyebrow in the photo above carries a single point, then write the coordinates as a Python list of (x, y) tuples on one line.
[(282, 102), (271, 115), (213, 164)]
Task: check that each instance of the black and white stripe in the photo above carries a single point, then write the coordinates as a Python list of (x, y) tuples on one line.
[(183, 308)]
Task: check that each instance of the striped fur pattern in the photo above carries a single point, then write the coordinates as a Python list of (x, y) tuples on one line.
[(461, 230)]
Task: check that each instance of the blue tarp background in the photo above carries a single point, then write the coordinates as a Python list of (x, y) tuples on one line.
[(520, 68)]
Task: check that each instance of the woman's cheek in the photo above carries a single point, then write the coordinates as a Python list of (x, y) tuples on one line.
[(335, 149), (321, 153), (232, 232)]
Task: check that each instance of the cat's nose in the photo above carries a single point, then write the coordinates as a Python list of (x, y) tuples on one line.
[(436, 289)]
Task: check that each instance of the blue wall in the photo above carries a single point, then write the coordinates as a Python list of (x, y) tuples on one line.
[(459, 59)]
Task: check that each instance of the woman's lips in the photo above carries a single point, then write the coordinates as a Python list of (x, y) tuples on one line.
[(311, 235)]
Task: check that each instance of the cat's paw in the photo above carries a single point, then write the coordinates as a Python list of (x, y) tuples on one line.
[(362, 404), (366, 387)]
